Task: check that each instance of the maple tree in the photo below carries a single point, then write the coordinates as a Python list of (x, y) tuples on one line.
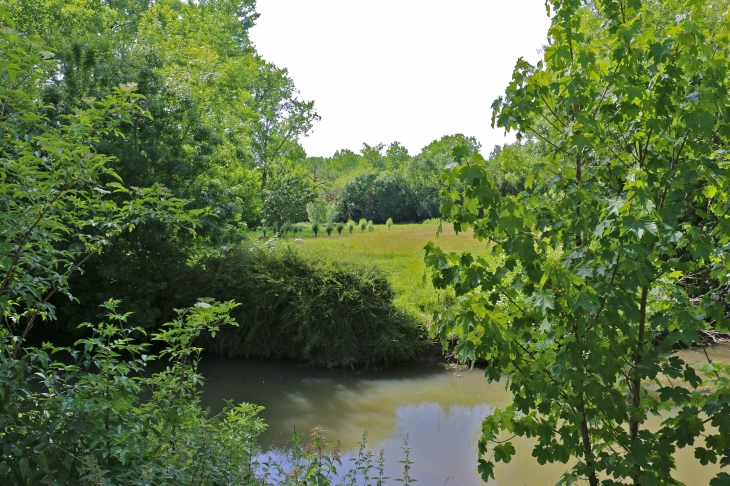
[(615, 253)]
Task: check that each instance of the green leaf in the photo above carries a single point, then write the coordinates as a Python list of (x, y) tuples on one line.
[(544, 299), (677, 394), (722, 479), (460, 152), (700, 121), (584, 298), (504, 452), (705, 456), (23, 467), (638, 226), (486, 469)]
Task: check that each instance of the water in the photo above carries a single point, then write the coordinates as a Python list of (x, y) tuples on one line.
[(439, 407)]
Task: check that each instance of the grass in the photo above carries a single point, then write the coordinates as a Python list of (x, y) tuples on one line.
[(398, 251)]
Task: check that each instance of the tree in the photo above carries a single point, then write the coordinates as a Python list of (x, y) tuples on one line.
[(60, 202), (281, 117), (588, 286), (286, 199)]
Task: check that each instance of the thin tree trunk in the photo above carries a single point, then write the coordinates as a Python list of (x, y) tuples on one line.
[(636, 382)]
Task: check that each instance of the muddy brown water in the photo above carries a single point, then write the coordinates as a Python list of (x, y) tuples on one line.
[(439, 408)]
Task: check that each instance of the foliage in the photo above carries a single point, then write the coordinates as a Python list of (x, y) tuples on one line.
[(362, 224), (318, 211), (60, 202), (509, 166), (80, 417), (589, 283), (213, 123), (318, 462), (286, 198), (398, 253), (340, 227), (378, 196), (329, 228), (350, 225), (315, 229), (424, 171), (305, 307), (389, 222)]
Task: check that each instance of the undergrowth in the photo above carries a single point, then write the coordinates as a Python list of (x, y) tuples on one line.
[(305, 307)]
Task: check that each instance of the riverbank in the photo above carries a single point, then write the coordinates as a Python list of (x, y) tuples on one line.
[(399, 252)]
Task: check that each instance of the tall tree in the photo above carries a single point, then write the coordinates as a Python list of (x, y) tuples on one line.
[(281, 117), (587, 290)]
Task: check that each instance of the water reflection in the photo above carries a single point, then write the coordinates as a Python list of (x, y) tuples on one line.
[(438, 407)]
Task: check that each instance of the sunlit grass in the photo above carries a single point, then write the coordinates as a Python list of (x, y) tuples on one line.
[(399, 252)]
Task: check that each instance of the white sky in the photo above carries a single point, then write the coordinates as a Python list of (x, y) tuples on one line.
[(405, 70)]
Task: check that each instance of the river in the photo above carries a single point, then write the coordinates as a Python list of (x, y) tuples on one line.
[(439, 407)]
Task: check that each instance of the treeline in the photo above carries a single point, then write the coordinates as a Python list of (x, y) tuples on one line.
[(212, 124), (383, 182)]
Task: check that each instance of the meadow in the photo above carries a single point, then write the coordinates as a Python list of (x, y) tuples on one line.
[(399, 252)]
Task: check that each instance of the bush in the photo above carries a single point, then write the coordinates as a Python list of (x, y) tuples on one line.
[(363, 224), (389, 223), (304, 307), (320, 211), (340, 227), (370, 225), (350, 225), (315, 229), (90, 425), (329, 228), (286, 228), (378, 196)]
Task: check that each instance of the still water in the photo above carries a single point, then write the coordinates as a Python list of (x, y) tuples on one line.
[(440, 409)]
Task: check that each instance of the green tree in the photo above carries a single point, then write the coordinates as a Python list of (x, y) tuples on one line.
[(60, 202), (589, 284), (286, 199), (281, 118), (424, 172)]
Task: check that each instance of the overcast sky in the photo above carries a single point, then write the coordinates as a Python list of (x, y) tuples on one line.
[(405, 70)]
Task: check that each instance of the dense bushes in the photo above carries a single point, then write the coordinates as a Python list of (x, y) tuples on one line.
[(303, 307), (377, 197), (97, 415)]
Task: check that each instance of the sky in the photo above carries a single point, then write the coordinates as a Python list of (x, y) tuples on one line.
[(410, 71)]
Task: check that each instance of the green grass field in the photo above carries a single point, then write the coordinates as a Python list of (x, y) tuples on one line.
[(399, 252)]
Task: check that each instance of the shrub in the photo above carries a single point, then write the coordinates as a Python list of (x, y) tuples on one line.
[(340, 227), (370, 225), (389, 223), (304, 307), (286, 228), (90, 418), (350, 225), (363, 224), (315, 229), (329, 228), (378, 196)]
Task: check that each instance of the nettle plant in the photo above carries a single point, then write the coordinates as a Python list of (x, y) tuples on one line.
[(617, 251)]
